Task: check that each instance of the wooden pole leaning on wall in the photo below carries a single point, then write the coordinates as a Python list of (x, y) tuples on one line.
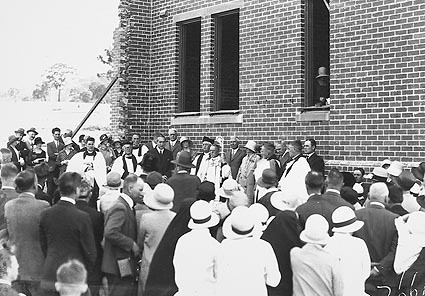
[(111, 84)]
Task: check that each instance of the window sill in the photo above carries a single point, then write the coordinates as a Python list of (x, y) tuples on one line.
[(309, 114), (218, 117)]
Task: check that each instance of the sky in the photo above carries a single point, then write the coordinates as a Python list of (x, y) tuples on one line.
[(37, 34)]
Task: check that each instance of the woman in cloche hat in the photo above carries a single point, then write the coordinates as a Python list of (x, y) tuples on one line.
[(37, 155)]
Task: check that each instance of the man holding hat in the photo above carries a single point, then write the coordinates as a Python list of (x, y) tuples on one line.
[(183, 184), (245, 263), (352, 251), (201, 160), (315, 270), (196, 253), (127, 163)]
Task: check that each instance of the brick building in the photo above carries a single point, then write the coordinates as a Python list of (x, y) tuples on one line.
[(249, 67)]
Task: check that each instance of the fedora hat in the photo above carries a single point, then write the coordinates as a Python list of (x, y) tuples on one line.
[(395, 168), (251, 145), (419, 171), (202, 215), (322, 72), (207, 139), (316, 230), (113, 180), (183, 160), (20, 131), (240, 223), (406, 180), (103, 138), (349, 194), (38, 140), (161, 198), (32, 130), (268, 178), (344, 220), (206, 191), (12, 139), (67, 141), (228, 188)]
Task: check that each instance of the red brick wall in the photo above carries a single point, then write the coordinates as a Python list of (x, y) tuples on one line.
[(377, 76)]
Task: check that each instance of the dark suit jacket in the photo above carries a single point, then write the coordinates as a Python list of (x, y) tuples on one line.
[(323, 205), (163, 165), (235, 161), (65, 233), (380, 235), (6, 194), (97, 223), (41, 195), (120, 234), (185, 186), (15, 158), (174, 149), (316, 163), (52, 153)]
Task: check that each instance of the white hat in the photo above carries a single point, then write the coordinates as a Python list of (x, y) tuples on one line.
[(67, 141), (161, 198), (251, 145), (415, 223), (395, 168), (316, 230), (283, 202), (385, 162), (240, 224), (344, 220), (415, 189), (358, 188), (410, 203), (228, 188), (202, 215), (260, 212)]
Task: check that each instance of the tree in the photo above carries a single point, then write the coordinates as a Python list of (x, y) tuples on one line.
[(107, 60), (13, 92), (97, 89), (41, 92), (57, 75)]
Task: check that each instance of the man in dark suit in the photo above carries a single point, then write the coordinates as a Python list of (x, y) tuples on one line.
[(65, 232), (23, 217), (183, 184), (380, 235), (164, 157), (120, 253), (234, 156), (17, 158), (53, 149), (21, 146), (326, 203), (42, 172), (95, 277), (7, 191), (173, 144), (315, 161)]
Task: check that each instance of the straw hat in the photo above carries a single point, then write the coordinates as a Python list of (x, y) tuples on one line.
[(316, 230), (202, 216), (344, 220), (240, 224), (228, 188), (161, 198), (395, 168), (415, 223), (283, 201), (378, 174), (251, 145), (385, 162), (260, 212)]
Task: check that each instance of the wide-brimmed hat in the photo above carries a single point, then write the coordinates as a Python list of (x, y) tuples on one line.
[(160, 198), (20, 131), (251, 145), (395, 168), (268, 178), (228, 188), (378, 174), (38, 140), (349, 194), (67, 141), (284, 201), (415, 190), (113, 180), (32, 130), (116, 140), (349, 179), (385, 162), (406, 180), (207, 139), (11, 139), (103, 138), (316, 230), (240, 223), (202, 215), (185, 139), (206, 191), (419, 171), (260, 212), (183, 160), (344, 220), (322, 72), (359, 189), (415, 223)]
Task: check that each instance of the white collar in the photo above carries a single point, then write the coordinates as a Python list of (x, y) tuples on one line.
[(236, 149), (30, 193), (5, 282), (7, 187), (127, 199), (174, 142), (377, 203), (68, 199), (333, 190), (310, 154), (159, 150), (182, 172)]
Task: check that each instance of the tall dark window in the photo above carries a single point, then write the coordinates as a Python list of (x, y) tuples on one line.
[(226, 62), (190, 66), (316, 52)]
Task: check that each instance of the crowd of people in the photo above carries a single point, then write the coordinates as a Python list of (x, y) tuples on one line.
[(126, 218)]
